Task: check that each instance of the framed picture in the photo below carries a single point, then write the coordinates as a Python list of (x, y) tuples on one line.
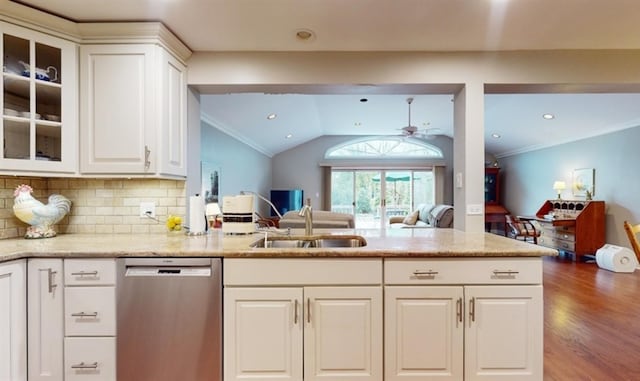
[(584, 182), (210, 182)]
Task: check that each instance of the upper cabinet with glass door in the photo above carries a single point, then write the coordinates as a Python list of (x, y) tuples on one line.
[(39, 125)]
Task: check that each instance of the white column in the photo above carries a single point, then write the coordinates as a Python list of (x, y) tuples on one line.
[(468, 158)]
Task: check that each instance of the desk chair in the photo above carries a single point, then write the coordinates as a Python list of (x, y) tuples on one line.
[(521, 230), (632, 233)]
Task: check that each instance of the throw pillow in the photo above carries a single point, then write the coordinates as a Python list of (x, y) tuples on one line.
[(412, 218), (425, 209)]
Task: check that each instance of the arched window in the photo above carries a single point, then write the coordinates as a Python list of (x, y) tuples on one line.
[(384, 147)]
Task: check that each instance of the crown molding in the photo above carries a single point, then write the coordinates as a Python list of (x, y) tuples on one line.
[(134, 33), (95, 32), (31, 18), (229, 131)]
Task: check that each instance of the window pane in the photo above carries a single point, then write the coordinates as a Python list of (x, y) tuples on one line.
[(423, 188), (342, 191), (384, 147)]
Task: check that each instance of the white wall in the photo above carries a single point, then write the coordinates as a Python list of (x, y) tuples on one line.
[(242, 167), (528, 178)]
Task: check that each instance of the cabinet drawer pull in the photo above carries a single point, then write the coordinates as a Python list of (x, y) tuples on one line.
[(309, 310), (50, 274), (85, 314), (85, 273), (505, 272), (295, 312), (458, 311), (82, 365), (147, 153), (472, 309), (429, 273)]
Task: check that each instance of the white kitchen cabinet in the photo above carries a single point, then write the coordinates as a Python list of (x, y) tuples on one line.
[(322, 326), (90, 319), (45, 319), (13, 321), (90, 358), (89, 311), (133, 110), (438, 328), (39, 94), (263, 333), (504, 333), (423, 333), (172, 139), (343, 333)]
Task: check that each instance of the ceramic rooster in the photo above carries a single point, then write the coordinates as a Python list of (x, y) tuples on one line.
[(41, 217)]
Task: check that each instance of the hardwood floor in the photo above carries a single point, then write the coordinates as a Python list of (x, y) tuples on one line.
[(592, 323)]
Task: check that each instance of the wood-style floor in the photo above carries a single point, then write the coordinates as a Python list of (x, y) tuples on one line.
[(592, 323)]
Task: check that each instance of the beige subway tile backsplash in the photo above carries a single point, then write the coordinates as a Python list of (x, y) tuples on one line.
[(100, 206)]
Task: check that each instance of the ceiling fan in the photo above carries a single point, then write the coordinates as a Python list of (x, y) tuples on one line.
[(415, 132)]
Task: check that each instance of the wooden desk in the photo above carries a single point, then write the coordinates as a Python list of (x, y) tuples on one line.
[(580, 229)]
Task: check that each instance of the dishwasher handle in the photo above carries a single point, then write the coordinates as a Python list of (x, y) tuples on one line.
[(163, 272), (168, 262)]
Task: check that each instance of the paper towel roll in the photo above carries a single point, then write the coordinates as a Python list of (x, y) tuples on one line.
[(616, 258), (197, 222)]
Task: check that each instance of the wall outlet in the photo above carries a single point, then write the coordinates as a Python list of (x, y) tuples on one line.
[(148, 209), (475, 209)]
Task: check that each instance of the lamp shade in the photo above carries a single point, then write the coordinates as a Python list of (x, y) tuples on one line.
[(213, 209), (559, 185)]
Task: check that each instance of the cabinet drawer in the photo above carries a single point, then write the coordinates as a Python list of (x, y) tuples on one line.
[(89, 272), (565, 234), (90, 311), (90, 358), (556, 243), (305, 271), (463, 271)]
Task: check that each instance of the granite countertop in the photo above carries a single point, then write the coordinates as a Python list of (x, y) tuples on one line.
[(380, 243)]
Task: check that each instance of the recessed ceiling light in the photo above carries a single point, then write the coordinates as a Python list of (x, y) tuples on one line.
[(305, 35), (548, 116), (495, 136), (289, 136), (271, 116)]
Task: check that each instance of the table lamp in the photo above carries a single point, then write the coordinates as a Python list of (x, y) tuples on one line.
[(212, 211), (559, 186)]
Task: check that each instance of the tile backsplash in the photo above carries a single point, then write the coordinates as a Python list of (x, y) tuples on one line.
[(100, 206)]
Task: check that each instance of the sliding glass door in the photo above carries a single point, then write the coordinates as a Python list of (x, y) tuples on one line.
[(372, 196)]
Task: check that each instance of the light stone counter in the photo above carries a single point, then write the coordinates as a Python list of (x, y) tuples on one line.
[(380, 243)]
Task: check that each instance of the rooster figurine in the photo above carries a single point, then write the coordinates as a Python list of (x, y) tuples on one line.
[(41, 217)]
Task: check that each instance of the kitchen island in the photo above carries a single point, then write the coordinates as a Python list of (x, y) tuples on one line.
[(411, 304)]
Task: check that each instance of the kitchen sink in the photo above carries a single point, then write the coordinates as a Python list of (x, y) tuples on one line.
[(315, 241)]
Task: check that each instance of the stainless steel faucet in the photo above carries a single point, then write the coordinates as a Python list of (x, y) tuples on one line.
[(306, 212)]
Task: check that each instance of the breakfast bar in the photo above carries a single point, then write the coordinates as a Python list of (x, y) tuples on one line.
[(340, 304)]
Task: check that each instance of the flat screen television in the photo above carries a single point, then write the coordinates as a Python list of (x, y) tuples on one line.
[(286, 200)]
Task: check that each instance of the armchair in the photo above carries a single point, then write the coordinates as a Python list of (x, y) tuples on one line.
[(521, 229)]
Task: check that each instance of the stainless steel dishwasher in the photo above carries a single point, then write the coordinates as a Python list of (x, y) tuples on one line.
[(169, 324)]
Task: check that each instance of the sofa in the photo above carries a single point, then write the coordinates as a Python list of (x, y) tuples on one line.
[(425, 216), (320, 218)]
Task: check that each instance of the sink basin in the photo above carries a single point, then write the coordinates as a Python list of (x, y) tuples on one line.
[(300, 242)]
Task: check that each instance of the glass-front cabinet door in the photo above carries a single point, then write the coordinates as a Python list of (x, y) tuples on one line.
[(39, 126)]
